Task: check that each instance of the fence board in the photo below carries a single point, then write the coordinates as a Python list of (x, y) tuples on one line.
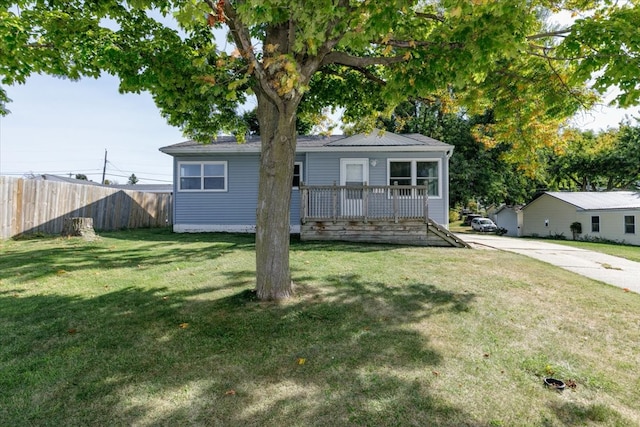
[(31, 206)]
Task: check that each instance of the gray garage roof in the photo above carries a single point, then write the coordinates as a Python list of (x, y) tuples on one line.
[(593, 200)]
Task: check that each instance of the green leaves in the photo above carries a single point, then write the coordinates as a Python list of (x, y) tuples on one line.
[(606, 48), (490, 53), (604, 161)]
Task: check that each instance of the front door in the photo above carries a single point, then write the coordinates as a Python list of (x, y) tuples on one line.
[(353, 172)]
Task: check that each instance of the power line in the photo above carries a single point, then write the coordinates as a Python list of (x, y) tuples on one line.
[(86, 172), (140, 178)]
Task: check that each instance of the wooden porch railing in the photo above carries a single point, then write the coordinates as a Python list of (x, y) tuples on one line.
[(363, 202)]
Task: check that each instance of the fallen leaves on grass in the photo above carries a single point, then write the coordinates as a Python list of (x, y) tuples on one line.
[(183, 325), (626, 289), (301, 361), (72, 331), (61, 272), (571, 384), (230, 393)]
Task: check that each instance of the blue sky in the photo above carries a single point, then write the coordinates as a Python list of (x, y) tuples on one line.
[(62, 127)]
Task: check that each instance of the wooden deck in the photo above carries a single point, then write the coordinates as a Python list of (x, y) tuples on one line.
[(396, 214)]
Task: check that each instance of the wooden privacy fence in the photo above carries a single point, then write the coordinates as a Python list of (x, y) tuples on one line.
[(35, 206)]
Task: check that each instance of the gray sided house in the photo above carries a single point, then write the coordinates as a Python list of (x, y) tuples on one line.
[(349, 177), (612, 215)]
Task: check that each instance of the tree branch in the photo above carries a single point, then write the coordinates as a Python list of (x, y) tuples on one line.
[(564, 84), (367, 74), (557, 58), (412, 43), (242, 39), (311, 65), (433, 16), (558, 33), (344, 58)]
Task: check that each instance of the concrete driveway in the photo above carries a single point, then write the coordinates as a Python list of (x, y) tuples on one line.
[(609, 269)]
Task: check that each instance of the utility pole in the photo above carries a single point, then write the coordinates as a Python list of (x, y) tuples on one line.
[(104, 168)]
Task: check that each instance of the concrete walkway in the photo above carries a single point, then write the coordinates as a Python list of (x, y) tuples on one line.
[(609, 269)]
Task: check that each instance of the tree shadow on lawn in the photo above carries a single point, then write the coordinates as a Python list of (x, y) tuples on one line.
[(30, 262), (346, 356), (580, 414)]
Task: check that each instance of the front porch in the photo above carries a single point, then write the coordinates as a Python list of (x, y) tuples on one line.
[(371, 213)]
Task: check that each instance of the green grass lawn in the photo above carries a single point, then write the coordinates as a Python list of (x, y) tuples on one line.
[(150, 328)]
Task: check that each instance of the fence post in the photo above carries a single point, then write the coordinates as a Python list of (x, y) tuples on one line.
[(335, 202), (395, 202)]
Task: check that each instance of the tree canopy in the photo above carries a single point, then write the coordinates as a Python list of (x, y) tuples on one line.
[(297, 56), (476, 172), (591, 161)]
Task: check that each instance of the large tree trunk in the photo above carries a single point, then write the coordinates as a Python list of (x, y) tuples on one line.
[(278, 135)]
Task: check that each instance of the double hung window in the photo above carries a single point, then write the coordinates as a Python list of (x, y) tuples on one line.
[(422, 173), (630, 224), (203, 176), (595, 224)]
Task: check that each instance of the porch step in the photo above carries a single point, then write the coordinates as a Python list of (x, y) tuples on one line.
[(403, 232), (446, 235)]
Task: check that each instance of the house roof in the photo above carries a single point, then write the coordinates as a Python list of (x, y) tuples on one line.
[(69, 180), (511, 208), (144, 188), (374, 141), (593, 200)]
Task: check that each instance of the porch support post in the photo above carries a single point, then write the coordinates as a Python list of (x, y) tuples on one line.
[(425, 208), (334, 194), (365, 202), (304, 200), (395, 201)]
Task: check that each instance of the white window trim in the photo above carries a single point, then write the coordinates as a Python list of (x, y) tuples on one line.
[(294, 187), (414, 173), (202, 189), (624, 223), (348, 160)]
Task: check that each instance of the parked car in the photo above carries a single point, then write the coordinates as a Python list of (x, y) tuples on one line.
[(483, 224), (469, 218)]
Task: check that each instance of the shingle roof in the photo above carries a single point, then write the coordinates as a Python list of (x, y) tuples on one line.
[(57, 178), (375, 140), (384, 139), (593, 200), (145, 188)]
